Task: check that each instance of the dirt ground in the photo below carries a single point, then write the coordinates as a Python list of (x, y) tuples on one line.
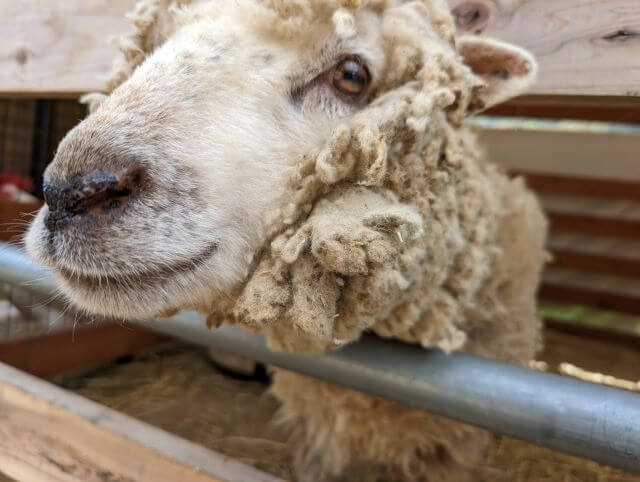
[(179, 391)]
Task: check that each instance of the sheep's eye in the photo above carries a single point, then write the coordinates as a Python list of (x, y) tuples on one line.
[(350, 77)]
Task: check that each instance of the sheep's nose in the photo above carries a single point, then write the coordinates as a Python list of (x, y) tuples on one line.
[(95, 193)]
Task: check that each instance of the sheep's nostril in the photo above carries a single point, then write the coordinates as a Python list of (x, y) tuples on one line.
[(94, 193), (99, 192)]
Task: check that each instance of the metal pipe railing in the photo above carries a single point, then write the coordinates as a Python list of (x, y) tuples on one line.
[(561, 413)]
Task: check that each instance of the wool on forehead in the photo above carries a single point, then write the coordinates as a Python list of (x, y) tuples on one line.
[(155, 20)]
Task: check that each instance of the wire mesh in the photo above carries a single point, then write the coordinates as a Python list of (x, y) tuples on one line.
[(30, 130), (25, 314), (17, 120)]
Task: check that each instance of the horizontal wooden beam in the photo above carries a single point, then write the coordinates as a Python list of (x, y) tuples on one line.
[(595, 253), (76, 349), (58, 47), (581, 186), (592, 108), (600, 298), (565, 152), (599, 263), (584, 47), (47, 433), (579, 223), (607, 291), (624, 339)]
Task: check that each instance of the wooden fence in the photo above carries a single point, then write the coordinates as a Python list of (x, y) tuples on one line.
[(587, 176), (585, 47)]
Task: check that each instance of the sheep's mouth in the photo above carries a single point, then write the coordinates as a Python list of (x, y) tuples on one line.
[(130, 281)]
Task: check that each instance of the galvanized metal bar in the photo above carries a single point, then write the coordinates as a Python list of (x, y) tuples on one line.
[(590, 421)]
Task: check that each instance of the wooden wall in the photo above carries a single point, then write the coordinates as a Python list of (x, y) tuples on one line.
[(585, 47), (58, 47), (552, 150)]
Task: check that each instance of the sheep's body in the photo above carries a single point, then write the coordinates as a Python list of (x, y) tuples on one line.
[(344, 432), (387, 220), (471, 288)]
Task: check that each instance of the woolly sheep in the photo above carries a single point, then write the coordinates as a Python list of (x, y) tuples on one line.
[(302, 168)]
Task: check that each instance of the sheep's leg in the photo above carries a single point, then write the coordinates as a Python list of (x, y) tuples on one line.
[(342, 435)]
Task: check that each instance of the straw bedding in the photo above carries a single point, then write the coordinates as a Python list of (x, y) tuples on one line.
[(179, 391)]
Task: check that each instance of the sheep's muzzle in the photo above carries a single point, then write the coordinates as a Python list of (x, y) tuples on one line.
[(91, 195)]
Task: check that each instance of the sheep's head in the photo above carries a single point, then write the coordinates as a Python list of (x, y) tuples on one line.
[(229, 121)]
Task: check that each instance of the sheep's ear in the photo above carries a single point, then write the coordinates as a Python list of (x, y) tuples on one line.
[(507, 70)]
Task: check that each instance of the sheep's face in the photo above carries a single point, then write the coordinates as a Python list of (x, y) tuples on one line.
[(157, 200)]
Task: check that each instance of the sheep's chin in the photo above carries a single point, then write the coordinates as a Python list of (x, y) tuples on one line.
[(138, 295)]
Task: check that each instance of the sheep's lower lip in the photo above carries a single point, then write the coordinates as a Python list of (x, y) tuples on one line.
[(131, 281)]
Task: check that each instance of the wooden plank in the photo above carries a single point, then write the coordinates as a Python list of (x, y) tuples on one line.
[(48, 434), (606, 300), (624, 324), (581, 186), (597, 263), (610, 282), (76, 349), (595, 333), (622, 209), (583, 46), (592, 108), (594, 225), (613, 155), (601, 254), (618, 218), (58, 47), (604, 291)]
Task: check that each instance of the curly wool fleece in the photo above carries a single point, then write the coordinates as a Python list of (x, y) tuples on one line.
[(396, 226)]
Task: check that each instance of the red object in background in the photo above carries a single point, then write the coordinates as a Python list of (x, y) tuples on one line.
[(18, 182), (21, 182), (16, 205)]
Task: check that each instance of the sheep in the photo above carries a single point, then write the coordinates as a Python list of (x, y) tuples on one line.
[(302, 168)]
